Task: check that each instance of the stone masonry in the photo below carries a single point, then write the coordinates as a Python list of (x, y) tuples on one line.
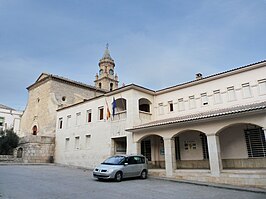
[(37, 149)]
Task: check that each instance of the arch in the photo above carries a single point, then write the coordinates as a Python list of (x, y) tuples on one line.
[(144, 105), (34, 130), (152, 147), (19, 152), (234, 124), (121, 104), (242, 146), (191, 150), (148, 135)]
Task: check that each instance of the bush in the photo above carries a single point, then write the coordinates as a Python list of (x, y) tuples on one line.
[(8, 141)]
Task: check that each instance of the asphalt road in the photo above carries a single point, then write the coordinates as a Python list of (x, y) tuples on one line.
[(55, 182)]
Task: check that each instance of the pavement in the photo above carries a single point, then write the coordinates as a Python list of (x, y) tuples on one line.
[(204, 184)]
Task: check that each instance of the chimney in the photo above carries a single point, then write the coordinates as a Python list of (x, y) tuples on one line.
[(198, 76)]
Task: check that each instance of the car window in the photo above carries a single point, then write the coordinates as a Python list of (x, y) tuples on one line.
[(131, 160), (115, 160)]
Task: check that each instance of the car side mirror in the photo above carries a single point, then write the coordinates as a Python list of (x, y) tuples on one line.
[(125, 163)]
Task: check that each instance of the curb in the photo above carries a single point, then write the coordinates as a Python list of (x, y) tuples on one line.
[(220, 186)]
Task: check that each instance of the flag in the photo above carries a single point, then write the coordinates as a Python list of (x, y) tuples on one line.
[(108, 114), (114, 106)]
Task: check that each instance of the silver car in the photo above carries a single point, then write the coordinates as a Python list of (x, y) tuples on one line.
[(122, 166)]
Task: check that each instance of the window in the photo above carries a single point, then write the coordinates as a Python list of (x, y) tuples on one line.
[(246, 91), (262, 86), (100, 85), (181, 105), (160, 109), (87, 141), (192, 102), (144, 105), (204, 99), (100, 113), (111, 86), (89, 114), (2, 121), (171, 106), (60, 123), (78, 116), (67, 144), (68, 121), (255, 140), (217, 97), (231, 95), (204, 143), (77, 142)]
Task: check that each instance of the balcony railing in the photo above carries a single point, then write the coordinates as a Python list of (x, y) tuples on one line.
[(144, 116), (120, 115)]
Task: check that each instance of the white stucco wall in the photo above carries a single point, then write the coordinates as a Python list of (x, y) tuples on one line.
[(11, 119), (102, 132)]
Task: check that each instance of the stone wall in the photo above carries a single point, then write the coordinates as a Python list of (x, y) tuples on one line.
[(37, 149), (6, 158)]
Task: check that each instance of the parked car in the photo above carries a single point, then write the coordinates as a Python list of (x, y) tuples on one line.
[(122, 166)]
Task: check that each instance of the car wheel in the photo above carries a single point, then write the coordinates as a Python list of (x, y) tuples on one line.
[(118, 176), (144, 174)]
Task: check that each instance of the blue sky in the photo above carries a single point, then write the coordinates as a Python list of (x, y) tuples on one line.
[(155, 43)]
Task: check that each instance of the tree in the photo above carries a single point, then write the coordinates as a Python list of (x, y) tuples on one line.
[(8, 141)]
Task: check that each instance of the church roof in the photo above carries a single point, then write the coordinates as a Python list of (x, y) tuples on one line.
[(46, 76), (204, 115)]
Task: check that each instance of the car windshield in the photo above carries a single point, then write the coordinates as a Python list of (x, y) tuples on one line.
[(115, 160)]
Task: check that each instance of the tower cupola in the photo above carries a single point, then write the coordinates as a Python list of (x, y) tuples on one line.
[(106, 79)]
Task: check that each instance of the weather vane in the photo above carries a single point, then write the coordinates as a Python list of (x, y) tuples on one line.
[(107, 45)]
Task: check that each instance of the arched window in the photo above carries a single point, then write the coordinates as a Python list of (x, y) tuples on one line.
[(111, 86), (144, 105), (100, 85), (121, 104), (34, 130), (19, 153)]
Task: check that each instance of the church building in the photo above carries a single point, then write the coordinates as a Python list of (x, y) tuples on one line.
[(210, 129)]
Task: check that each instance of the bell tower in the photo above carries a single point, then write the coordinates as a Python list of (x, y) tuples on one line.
[(106, 79)]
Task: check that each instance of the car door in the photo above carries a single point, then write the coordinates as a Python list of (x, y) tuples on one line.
[(129, 168)]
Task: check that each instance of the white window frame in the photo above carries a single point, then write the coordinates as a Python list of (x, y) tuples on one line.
[(78, 118), (217, 98), (231, 94), (100, 109), (181, 104), (192, 102), (204, 99), (160, 109), (246, 91), (262, 86), (77, 142)]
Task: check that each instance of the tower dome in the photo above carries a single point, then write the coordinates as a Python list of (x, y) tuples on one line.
[(107, 79)]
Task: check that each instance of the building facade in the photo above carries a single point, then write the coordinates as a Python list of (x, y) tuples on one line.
[(210, 129), (9, 118)]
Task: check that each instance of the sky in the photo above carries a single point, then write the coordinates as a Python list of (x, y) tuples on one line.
[(155, 43)]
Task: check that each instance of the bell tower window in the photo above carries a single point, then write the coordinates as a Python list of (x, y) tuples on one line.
[(111, 86), (100, 85)]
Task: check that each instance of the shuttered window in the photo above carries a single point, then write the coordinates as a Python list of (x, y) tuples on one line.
[(255, 140)]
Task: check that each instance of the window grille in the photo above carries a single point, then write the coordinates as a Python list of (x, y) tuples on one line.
[(177, 148), (146, 149), (255, 140), (204, 143)]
